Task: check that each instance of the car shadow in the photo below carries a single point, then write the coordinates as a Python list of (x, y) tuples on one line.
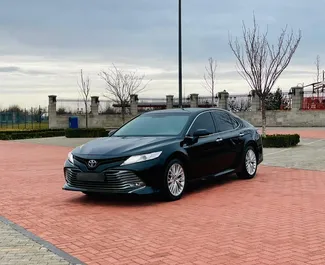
[(118, 200), (210, 183), (133, 200)]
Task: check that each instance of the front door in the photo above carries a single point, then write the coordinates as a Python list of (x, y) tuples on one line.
[(203, 152)]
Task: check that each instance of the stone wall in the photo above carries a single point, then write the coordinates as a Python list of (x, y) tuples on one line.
[(296, 117), (98, 121), (289, 118)]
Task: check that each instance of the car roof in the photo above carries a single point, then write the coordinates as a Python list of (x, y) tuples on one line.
[(182, 110)]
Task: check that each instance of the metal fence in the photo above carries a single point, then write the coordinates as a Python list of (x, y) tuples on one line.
[(16, 120), (238, 103), (77, 106)]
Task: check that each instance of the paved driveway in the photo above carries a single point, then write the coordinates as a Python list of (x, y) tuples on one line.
[(276, 218)]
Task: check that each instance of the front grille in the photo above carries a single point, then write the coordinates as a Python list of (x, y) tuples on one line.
[(115, 180), (101, 161)]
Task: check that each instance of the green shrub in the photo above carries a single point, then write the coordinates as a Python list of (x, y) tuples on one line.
[(30, 131), (15, 135), (281, 140), (86, 133)]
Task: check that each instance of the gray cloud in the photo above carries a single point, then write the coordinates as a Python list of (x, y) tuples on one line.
[(146, 28), (142, 33), (234, 75), (9, 69), (16, 69)]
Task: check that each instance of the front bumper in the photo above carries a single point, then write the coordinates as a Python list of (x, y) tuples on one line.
[(260, 151), (139, 191), (140, 178)]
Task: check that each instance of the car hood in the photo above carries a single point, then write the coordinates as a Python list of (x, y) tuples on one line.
[(122, 146)]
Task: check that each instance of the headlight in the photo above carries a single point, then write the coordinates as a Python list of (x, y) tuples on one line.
[(70, 157), (141, 158)]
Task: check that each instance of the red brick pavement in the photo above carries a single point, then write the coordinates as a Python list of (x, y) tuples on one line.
[(276, 218), (316, 134)]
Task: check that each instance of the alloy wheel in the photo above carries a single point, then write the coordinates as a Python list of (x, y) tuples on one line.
[(250, 162), (176, 179)]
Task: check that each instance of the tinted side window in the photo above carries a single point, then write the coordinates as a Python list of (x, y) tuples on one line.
[(203, 121), (224, 121)]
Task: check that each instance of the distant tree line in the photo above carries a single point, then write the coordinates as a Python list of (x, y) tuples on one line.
[(15, 113)]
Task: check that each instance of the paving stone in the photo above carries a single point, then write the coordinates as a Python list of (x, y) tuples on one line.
[(276, 218), (17, 249)]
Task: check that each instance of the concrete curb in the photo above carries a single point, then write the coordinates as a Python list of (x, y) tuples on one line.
[(49, 246)]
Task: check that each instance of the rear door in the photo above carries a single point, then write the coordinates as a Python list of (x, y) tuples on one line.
[(230, 138)]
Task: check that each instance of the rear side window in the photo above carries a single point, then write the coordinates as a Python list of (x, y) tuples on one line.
[(203, 121), (224, 121)]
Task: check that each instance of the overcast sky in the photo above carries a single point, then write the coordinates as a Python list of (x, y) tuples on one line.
[(43, 43)]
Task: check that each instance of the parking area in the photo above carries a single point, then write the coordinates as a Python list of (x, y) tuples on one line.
[(276, 218)]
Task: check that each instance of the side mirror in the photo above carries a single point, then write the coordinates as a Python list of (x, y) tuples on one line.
[(189, 140), (111, 132), (201, 132)]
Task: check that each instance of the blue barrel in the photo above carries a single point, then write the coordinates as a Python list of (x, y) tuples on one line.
[(73, 122)]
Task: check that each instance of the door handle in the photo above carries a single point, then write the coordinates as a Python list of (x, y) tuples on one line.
[(219, 140), (241, 134)]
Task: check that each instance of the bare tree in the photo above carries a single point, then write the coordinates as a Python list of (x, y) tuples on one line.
[(121, 85), (261, 63), (84, 89), (317, 63), (210, 78)]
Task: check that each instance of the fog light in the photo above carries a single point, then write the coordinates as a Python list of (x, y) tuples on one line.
[(66, 174), (136, 184)]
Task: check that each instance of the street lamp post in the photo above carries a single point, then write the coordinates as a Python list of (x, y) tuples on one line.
[(180, 54)]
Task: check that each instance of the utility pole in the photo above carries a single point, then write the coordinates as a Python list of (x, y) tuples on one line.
[(180, 94)]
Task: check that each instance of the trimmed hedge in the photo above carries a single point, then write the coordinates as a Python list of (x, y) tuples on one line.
[(28, 134), (281, 140), (30, 131), (86, 133)]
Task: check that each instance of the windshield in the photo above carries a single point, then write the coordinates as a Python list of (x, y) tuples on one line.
[(154, 124)]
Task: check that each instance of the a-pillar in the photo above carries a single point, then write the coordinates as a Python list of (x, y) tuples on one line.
[(297, 98), (134, 104), (52, 112), (169, 101), (94, 105), (223, 99), (194, 100), (255, 100)]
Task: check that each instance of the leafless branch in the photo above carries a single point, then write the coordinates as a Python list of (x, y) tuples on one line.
[(84, 90), (261, 63), (84, 86), (121, 85), (210, 77)]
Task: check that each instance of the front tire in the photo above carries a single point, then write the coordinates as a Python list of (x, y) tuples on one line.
[(249, 167), (174, 181)]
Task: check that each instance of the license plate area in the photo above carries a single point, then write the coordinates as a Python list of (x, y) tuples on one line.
[(93, 177)]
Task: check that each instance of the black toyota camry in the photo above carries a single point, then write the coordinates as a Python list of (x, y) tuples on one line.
[(162, 151)]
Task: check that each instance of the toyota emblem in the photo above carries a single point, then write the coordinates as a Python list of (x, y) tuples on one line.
[(92, 163)]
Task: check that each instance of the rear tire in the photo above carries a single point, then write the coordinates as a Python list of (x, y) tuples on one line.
[(174, 181), (249, 167)]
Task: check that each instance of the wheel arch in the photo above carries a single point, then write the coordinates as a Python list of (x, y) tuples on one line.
[(251, 143), (254, 145), (182, 157)]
